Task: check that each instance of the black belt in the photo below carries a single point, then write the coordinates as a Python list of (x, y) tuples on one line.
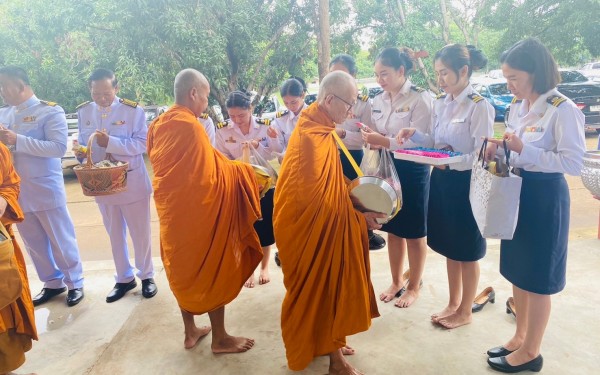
[(536, 175)]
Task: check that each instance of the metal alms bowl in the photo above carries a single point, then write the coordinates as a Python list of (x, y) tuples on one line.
[(590, 174), (374, 194)]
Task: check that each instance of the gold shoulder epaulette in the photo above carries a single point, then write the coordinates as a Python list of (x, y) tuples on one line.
[(475, 97), (204, 115), (417, 88), (128, 102), (222, 124), (51, 104), (281, 113), (515, 100), (441, 96), (364, 98), (556, 100), (263, 121), (83, 104)]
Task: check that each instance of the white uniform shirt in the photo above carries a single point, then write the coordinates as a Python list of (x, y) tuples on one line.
[(407, 109), (209, 126), (460, 122), (553, 135), (127, 130), (230, 137), (361, 112), (41, 129), (285, 123)]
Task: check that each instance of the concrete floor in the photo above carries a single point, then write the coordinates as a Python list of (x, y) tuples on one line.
[(139, 336)]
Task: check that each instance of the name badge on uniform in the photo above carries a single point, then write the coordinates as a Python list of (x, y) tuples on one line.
[(121, 122), (457, 120), (29, 118), (376, 111), (534, 129), (403, 109), (230, 140)]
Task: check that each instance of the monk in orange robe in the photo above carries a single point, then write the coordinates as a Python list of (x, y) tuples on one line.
[(207, 206), (17, 324), (322, 240)]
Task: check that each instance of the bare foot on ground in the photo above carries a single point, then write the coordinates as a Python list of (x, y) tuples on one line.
[(455, 320), (343, 369), (348, 350), (442, 314), (198, 333), (250, 282), (264, 277), (390, 293), (407, 298), (231, 344)]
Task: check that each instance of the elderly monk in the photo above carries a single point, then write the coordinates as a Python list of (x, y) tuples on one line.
[(207, 206), (17, 325), (322, 240)]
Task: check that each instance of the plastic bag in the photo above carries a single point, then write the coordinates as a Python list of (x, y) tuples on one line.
[(370, 162), (387, 171), (251, 155)]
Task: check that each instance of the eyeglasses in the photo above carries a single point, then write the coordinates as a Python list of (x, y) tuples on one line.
[(350, 105)]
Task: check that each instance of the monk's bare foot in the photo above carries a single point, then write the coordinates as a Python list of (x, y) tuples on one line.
[(390, 293), (407, 298), (455, 320), (348, 350), (442, 314), (264, 277), (192, 339), (343, 369), (231, 344), (250, 282)]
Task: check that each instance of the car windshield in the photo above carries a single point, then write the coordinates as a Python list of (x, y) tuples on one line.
[(499, 89), (569, 76)]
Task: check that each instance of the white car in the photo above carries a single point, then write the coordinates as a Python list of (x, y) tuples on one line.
[(69, 160)]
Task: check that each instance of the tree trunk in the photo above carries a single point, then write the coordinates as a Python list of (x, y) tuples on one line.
[(445, 27), (323, 45)]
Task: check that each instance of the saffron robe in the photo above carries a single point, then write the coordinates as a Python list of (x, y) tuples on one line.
[(323, 246), (207, 206)]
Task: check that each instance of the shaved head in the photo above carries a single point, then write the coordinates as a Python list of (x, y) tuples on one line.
[(185, 81), (336, 83)]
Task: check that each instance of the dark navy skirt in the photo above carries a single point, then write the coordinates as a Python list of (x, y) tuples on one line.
[(264, 227), (535, 259), (349, 171), (411, 220), (451, 227)]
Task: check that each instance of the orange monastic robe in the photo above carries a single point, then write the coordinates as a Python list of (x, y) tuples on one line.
[(17, 322), (207, 206), (323, 246)]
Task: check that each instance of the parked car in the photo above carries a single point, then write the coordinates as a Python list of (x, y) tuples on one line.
[(310, 98), (495, 92), (584, 93), (495, 74), (68, 160), (591, 71), (267, 107), (153, 111)]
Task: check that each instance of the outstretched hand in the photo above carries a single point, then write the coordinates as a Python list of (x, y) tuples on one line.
[(372, 219)]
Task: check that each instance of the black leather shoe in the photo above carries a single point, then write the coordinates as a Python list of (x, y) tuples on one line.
[(488, 295), (376, 242), (500, 364), (149, 289), (119, 291), (498, 351), (277, 261), (46, 294), (74, 296)]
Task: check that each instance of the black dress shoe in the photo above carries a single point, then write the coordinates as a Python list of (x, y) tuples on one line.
[(46, 294), (74, 296), (376, 242), (277, 261), (119, 291), (498, 351), (149, 288), (488, 295), (500, 364)]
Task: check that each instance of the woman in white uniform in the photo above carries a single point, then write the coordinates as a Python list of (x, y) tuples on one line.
[(461, 119), (546, 134), (402, 105), (243, 128)]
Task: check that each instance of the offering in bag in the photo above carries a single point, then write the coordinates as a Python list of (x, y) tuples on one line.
[(263, 170)]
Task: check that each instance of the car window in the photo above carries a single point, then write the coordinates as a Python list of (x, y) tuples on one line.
[(499, 89), (575, 91), (568, 76)]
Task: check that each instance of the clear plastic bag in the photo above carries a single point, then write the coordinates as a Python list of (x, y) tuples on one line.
[(370, 162), (387, 171), (251, 156)]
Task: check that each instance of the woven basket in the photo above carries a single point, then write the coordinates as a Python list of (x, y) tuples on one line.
[(97, 181)]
